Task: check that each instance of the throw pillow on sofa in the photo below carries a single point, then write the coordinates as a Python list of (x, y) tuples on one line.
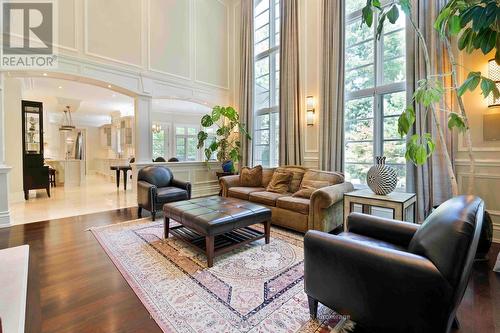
[(309, 186), (280, 182), (251, 177)]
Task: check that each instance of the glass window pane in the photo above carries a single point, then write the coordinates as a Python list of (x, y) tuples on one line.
[(394, 44), (262, 155), (360, 78), (359, 55), (395, 103), (359, 152), (180, 130), (401, 171), (391, 128), (191, 149), (357, 33), (260, 6), (359, 130), (261, 19), (180, 148), (394, 151), (192, 131), (361, 108), (261, 137), (394, 70), (356, 173), (354, 5), (400, 23), (262, 33), (262, 122), (262, 46)]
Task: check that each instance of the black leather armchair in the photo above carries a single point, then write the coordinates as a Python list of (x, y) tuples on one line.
[(391, 276), (156, 186)]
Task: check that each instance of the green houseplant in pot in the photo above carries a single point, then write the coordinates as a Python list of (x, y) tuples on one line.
[(225, 141)]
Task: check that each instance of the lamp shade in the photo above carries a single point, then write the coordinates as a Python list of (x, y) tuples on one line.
[(494, 74)]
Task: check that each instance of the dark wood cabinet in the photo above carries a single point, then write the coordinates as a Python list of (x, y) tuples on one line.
[(35, 173)]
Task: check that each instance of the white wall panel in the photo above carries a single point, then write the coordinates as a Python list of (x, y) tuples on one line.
[(211, 43), (169, 37), (67, 24), (113, 30)]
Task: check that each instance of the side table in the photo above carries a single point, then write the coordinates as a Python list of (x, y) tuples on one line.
[(399, 202)]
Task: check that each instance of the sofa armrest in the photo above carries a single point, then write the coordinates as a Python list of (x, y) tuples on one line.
[(145, 193), (326, 208), (183, 185), (392, 231), (371, 281), (227, 182), (327, 196)]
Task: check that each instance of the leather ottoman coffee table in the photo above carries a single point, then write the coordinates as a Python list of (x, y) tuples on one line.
[(216, 224)]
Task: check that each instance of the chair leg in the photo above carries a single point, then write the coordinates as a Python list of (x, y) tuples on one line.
[(313, 307), (153, 214), (139, 212)]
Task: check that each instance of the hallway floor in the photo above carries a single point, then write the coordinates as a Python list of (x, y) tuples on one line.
[(98, 194)]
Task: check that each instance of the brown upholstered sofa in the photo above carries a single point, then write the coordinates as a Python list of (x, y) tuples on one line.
[(323, 211)]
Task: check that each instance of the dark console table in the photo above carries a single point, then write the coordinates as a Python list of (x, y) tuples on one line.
[(124, 169)]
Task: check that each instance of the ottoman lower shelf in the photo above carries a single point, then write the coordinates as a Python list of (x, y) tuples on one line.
[(222, 243)]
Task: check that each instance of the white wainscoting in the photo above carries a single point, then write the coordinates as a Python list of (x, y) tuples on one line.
[(486, 185), (201, 175)]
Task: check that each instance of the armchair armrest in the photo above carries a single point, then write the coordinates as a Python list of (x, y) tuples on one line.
[(228, 182), (326, 207), (372, 282), (392, 231), (145, 193), (183, 185)]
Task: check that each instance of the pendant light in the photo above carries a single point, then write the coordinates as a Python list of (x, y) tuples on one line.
[(67, 121)]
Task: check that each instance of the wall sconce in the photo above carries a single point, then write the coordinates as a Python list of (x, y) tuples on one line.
[(493, 74), (156, 128), (310, 110)]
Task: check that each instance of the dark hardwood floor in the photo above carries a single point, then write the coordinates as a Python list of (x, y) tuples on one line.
[(74, 287)]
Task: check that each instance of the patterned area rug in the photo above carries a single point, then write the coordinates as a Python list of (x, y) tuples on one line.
[(256, 288)]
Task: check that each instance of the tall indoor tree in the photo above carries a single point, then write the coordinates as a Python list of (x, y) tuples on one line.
[(476, 24)]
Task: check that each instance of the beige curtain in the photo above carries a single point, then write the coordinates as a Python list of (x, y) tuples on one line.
[(246, 78), (289, 106), (331, 113), (430, 181)]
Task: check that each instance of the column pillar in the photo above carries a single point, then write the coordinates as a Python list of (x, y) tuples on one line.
[(4, 169), (143, 135)]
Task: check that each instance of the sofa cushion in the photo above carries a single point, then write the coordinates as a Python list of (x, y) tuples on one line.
[(371, 241), (267, 198), (299, 205), (170, 193), (267, 175), (309, 186), (298, 173), (243, 192), (280, 182), (330, 176), (251, 177)]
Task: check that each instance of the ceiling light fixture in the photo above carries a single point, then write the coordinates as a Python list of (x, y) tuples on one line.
[(60, 87), (44, 74), (156, 128), (67, 121)]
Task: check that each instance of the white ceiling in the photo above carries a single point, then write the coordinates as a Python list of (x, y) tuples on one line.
[(93, 105), (94, 100)]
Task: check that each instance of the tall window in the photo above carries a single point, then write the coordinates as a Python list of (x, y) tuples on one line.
[(375, 94), (266, 116), (185, 143), (160, 142)]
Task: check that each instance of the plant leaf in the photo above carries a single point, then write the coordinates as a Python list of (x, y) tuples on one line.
[(406, 121), (456, 121), (470, 83), (454, 25), (393, 14), (207, 121)]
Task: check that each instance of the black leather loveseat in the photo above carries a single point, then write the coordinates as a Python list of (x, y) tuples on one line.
[(156, 186), (391, 276)]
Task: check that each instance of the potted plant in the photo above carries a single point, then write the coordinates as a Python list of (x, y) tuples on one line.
[(476, 26), (225, 142)]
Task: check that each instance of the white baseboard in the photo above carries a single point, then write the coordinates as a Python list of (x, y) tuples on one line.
[(5, 219)]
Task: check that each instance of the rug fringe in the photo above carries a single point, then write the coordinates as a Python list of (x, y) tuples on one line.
[(346, 326)]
